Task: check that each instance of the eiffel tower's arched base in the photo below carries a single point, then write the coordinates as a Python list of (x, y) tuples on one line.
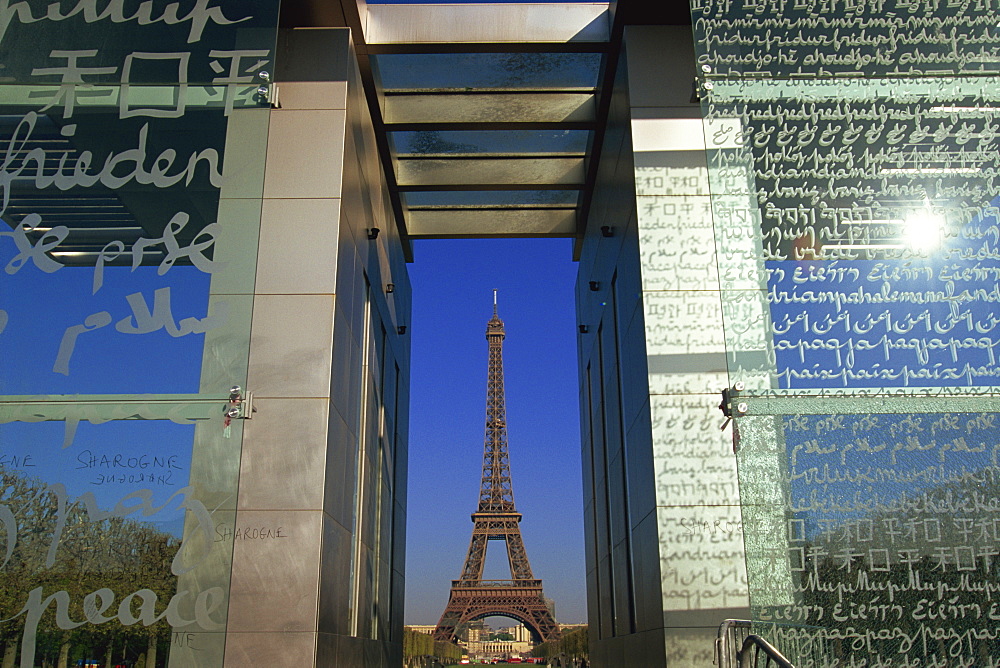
[(524, 602)]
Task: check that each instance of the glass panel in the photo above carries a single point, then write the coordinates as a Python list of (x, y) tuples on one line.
[(131, 177), (875, 544), (856, 224), (489, 141), (812, 38), (118, 532), (873, 265), (115, 275), (442, 172), (488, 198), (491, 222), (879, 260), (470, 71), (47, 43), (490, 108)]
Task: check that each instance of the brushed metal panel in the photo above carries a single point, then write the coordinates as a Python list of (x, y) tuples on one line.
[(298, 246), (694, 465), (649, 604), (284, 455), (305, 151), (512, 22), (287, 361), (683, 562), (327, 649), (357, 213), (340, 400), (341, 450), (351, 653), (641, 471), (700, 315), (276, 565), (316, 54), (668, 134), (375, 655), (691, 647), (650, 84), (313, 94), (270, 650), (335, 584), (490, 108)]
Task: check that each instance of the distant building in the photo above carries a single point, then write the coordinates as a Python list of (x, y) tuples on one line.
[(519, 644), (473, 637)]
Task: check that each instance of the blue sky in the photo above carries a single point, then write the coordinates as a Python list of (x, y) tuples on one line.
[(453, 282)]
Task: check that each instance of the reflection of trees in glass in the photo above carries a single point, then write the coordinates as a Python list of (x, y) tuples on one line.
[(853, 619), (917, 585), (117, 554)]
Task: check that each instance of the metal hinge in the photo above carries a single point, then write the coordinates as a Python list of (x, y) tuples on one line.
[(267, 91), (240, 406), (729, 395)]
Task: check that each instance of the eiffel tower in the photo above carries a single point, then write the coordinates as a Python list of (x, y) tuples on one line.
[(520, 597)]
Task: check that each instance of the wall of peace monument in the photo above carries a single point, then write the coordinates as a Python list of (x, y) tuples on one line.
[(794, 199)]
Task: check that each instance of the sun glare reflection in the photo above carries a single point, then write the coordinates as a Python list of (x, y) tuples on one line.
[(923, 230)]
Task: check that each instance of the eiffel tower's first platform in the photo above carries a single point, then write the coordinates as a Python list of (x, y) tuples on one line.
[(496, 518)]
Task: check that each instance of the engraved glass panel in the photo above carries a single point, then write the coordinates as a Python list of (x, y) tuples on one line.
[(118, 530), (851, 152), (131, 175), (872, 538), (827, 38), (856, 229)]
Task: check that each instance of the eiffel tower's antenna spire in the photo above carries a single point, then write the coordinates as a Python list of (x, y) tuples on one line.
[(496, 491), (494, 301)]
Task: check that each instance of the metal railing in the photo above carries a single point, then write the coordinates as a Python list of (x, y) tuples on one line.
[(755, 649), (732, 634), (737, 647)]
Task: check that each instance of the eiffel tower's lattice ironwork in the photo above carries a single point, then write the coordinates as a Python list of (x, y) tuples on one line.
[(496, 519)]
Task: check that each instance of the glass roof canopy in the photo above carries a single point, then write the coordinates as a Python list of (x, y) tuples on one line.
[(489, 113)]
